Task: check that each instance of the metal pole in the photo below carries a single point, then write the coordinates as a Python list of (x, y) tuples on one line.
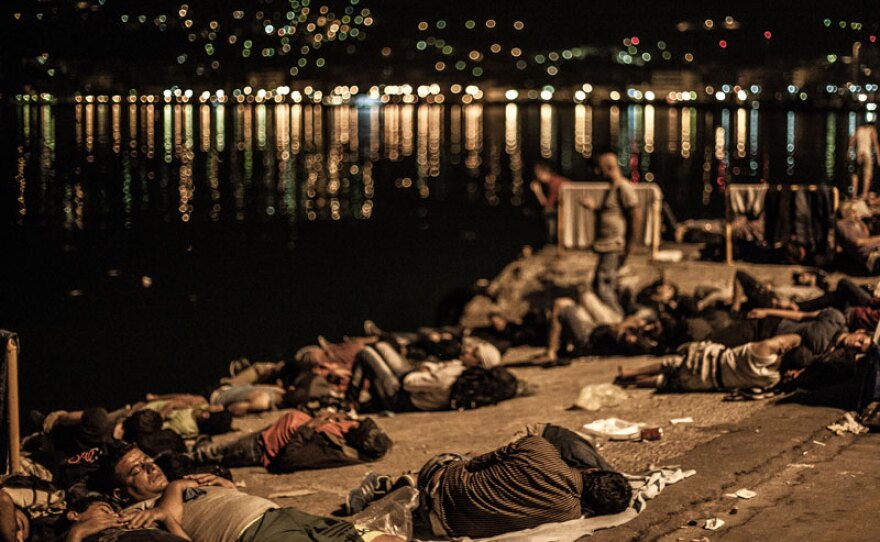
[(12, 403), (560, 217), (728, 229), (658, 220)]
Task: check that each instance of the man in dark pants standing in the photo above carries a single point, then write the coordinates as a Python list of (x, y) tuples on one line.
[(618, 221)]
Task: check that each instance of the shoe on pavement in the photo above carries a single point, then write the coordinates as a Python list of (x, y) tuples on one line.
[(525, 389), (870, 416), (373, 486)]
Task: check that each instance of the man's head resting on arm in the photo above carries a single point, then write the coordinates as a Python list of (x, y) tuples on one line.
[(605, 492)]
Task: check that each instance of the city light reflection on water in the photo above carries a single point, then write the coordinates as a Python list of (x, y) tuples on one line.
[(89, 163), (175, 236)]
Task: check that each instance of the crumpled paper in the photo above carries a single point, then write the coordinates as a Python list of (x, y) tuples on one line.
[(847, 425)]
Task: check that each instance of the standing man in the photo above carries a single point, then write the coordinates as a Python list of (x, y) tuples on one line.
[(864, 142), (546, 187), (618, 221)]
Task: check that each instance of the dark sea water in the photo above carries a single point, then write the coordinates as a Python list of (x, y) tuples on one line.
[(147, 245)]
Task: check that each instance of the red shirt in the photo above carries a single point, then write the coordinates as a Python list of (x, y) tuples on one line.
[(554, 186), (277, 435), (863, 317)]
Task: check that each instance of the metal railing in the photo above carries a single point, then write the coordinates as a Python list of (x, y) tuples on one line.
[(575, 223)]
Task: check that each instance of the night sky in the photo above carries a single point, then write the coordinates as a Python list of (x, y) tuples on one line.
[(61, 44)]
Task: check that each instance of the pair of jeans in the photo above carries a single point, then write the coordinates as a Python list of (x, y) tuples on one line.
[(424, 343), (605, 280), (577, 325), (847, 294), (385, 368), (778, 228), (850, 294), (745, 331), (760, 297), (244, 452), (551, 222), (427, 482), (291, 525)]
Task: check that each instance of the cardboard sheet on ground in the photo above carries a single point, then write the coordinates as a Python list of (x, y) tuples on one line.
[(645, 488)]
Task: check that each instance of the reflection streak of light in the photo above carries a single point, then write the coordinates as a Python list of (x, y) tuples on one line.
[(741, 129), (546, 131)]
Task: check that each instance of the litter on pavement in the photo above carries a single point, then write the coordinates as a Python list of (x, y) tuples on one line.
[(847, 425), (676, 421), (742, 494), (614, 429), (596, 396), (291, 494), (714, 524)]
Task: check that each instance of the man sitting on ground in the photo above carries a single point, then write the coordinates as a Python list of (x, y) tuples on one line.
[(211, 509)]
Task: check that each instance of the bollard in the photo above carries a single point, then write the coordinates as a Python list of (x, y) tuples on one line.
[(12, 404), (728, 242)]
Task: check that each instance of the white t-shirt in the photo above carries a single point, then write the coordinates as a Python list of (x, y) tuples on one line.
[(429, 386), (741, 367), (218, 514)]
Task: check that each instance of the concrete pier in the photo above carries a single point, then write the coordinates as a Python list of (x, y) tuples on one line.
[(805, 476)]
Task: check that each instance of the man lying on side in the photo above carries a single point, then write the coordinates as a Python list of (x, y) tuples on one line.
[(548, 475)]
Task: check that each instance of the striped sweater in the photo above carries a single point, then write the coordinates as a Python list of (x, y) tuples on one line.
[(519, 486)]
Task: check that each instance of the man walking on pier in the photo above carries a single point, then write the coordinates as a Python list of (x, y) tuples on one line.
[(618, 221)]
